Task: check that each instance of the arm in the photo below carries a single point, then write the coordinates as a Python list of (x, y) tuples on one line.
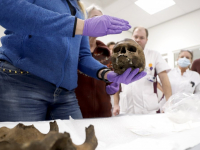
[(87, 64), (23, 17), (159, 87), (197, 89), (116, 108), (165, 84)]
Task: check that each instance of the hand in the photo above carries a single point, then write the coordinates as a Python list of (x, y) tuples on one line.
[(112, 88), (103, 25), (116, 110), (127, 77)]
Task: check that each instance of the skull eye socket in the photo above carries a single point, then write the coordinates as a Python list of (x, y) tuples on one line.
[(132, 49), (116, 50)]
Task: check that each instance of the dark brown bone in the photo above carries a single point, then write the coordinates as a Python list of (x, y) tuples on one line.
[(127, 54), (23, 137)]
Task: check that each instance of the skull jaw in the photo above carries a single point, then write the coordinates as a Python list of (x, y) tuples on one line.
[(122, 63)]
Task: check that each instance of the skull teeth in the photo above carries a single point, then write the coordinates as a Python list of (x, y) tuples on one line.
[(130, 62)]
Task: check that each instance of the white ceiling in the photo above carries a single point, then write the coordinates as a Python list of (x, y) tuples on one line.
[(128, 10)]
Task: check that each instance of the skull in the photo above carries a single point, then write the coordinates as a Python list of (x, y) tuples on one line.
[(127, 54)]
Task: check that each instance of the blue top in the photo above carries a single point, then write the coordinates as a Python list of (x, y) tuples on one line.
[(39, 39)]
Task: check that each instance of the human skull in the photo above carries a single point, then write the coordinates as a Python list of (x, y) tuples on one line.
[(127, 54)]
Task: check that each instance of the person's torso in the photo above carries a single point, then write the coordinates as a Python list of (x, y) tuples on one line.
[(140, 94), (91, 94), (185, 83), (52, 58)]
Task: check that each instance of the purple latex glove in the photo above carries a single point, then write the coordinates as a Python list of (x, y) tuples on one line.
[(127, 77), (112, 88), (103, 25)]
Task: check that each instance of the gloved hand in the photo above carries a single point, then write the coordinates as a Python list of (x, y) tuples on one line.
[(127, 77), (112, 88), (103, 25)]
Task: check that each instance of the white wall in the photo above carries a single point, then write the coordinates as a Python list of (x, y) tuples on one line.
[(115, 38), (179, 33)]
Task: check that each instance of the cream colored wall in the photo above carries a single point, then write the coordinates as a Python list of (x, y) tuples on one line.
[(179, 33), (115, 38)]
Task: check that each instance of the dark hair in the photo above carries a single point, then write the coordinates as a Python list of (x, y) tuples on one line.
[(147, 32), (110, 43), (183, 50)]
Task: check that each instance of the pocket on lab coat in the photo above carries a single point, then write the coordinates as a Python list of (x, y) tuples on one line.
[(186, 86), (150, 101)]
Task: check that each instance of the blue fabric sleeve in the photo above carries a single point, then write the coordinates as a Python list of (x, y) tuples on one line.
[(87, 64), (23, 17)]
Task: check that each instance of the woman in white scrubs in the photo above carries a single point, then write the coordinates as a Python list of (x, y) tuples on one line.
[(182, 79)]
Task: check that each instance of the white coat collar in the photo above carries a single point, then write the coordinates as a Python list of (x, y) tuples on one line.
[(179, 71)]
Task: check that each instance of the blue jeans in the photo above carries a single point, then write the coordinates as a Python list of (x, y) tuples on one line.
[(25, 97)]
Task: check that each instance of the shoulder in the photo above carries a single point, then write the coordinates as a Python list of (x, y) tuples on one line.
[(195, 76), (100, 43), (152, 52), (194, 73), (174, 70), (102, 47), (197, 61)]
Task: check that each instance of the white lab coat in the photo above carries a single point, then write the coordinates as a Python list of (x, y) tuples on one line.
[(139, 97), (189, 82)]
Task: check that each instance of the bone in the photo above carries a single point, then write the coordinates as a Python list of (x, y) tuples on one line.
[(23, 137), (123, 59)]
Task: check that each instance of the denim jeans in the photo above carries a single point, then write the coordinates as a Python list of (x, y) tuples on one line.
[(25, 97)]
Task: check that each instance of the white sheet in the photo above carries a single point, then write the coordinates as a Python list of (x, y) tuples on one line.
[(137, 132)]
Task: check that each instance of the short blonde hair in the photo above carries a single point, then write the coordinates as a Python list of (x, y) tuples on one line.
[(184, 50), (92, 7), (80, 4)]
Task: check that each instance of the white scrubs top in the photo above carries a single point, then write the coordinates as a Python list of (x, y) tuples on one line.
[(189, 82), (139, 97)]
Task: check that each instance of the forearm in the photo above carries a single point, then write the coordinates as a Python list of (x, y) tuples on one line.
[(116, 98), (79, 27), (159, 87), (165, 84), (105, 76)]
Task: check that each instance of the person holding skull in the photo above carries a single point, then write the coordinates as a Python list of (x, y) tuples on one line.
[(141, 97), (45, 43)]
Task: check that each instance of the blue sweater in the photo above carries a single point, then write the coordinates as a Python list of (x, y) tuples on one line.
[(39, 40)]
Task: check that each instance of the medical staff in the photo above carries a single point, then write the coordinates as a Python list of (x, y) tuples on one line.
[(182, 79), (141, 97), (45, 43)]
